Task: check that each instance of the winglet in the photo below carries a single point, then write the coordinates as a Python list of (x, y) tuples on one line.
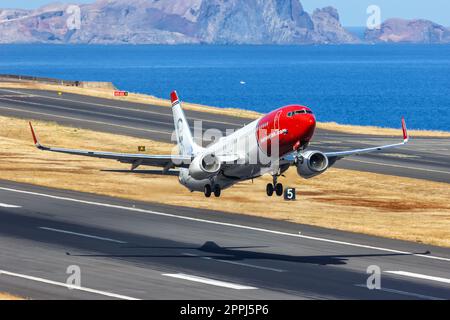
[(36, 142), (405, 131), (174, 98)]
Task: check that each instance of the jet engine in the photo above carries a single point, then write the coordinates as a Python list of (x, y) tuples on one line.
[(204, 166), (312, 163)]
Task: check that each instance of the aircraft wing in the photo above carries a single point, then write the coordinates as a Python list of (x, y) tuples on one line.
[(166, 161), (334, 156), (342, 154)]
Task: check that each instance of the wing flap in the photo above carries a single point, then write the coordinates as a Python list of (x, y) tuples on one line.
[(140, 159)]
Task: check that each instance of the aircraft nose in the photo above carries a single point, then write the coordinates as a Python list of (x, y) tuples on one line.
[(310, 125), (311, 120)]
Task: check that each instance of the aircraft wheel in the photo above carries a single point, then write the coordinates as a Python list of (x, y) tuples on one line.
[(207, 191), (217, 191), (269, 189), (279, 189)]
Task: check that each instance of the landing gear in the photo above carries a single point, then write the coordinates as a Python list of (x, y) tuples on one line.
[(269, 189), (207, 191), (277, 187), (217, 191)]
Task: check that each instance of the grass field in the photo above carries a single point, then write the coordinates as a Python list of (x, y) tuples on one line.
[(375, 204), (142, 98), (7, 296)]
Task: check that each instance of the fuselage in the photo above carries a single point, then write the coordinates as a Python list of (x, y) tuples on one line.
[(257, 145)]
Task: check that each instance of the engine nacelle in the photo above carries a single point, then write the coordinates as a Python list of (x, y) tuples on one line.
[(204, 166), (312, 164)]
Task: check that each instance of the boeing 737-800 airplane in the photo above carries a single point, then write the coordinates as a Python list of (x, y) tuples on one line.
[(268, 145)]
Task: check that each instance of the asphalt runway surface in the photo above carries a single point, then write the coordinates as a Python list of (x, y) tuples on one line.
[(423, 158), (132, 250)]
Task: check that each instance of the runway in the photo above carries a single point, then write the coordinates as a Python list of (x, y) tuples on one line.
[(133, 250), (423, 158)]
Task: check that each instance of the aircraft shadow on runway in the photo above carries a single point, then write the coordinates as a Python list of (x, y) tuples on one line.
[(239, 254)]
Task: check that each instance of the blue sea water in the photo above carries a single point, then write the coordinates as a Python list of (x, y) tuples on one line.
[(354, 84)]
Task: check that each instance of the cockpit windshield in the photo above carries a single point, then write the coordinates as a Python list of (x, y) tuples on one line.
[(302, 111)]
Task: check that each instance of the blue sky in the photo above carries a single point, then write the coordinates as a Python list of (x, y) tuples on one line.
[(352, 12)]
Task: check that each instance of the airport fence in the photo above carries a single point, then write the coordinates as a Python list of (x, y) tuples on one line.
[(40, 79)]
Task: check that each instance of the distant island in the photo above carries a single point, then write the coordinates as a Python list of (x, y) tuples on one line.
[(201, 22)]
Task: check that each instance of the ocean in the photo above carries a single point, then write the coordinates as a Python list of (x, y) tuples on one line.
[(349, 84)]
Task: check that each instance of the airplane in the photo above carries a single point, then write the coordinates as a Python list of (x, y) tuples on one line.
[(281, 137)]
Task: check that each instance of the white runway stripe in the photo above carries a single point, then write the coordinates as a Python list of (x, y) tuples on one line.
[(68, 286), (5, 205), (398, 166), (212, 282), (419, 276), (235, 262), (82, 235), (404, 293), (84, 120)]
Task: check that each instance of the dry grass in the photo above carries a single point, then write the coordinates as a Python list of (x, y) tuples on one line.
[(142, 98), (414, 210), (7, 296)]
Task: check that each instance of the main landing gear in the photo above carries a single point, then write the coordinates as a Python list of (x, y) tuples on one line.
[(277, 187), (216, 190)]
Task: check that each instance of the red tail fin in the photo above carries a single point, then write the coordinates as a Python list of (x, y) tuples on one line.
[(174, 98), (405, 131)]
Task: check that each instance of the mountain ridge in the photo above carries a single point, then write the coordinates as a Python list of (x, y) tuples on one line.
[(202, 22)]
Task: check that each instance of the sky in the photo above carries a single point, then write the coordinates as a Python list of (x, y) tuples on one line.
[(352, 12)]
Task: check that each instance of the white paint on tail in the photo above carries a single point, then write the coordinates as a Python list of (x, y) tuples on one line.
[(185, 141)]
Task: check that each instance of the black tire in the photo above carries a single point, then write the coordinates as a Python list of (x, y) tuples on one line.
[(269, 189), (217, 191), (207, 191), (279, 189)]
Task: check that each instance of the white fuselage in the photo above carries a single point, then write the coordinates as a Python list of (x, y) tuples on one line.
[(242, 145)]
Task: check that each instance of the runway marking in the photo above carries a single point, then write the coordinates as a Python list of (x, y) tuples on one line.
[(122, 108), (85, 120), (84, 111), (398, 166), (82, 235), (212, 282), (400, 155), (15, 96), (295, 235), (405, 293), (235, 262), (68, 286), (419, 276), (5, 205)]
